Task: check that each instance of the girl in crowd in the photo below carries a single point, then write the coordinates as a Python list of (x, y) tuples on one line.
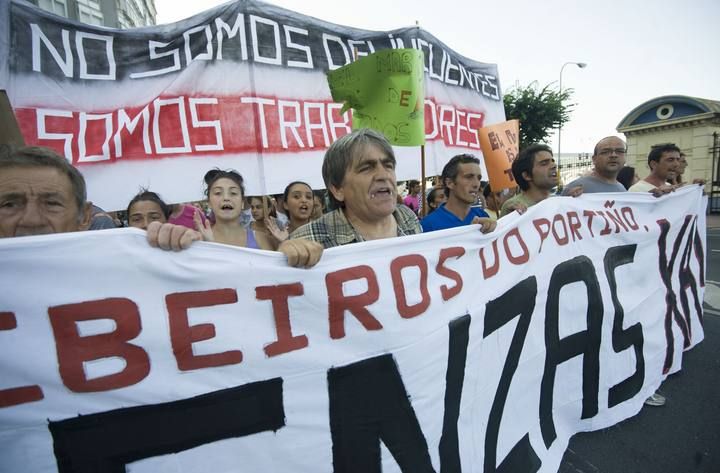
[(147, 207), (184, 214), (261, 207), (298, 202), (627, 176), (225, 193)]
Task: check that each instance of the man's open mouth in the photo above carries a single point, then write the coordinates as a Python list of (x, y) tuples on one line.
[(381, 192)]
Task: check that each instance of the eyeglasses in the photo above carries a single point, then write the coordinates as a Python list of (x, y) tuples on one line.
[(609, 151)]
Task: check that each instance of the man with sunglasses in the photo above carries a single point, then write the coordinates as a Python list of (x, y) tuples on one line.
[(608, 159)]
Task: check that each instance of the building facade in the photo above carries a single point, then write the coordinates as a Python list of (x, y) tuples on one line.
[(693, 124), (111, 13)]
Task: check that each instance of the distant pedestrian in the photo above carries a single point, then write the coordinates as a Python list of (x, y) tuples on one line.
[(412, 200)]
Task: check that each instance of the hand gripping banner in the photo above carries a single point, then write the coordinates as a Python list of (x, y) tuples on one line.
[(448, 351)]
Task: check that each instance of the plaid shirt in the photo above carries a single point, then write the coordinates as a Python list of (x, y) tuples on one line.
[(333, 229)]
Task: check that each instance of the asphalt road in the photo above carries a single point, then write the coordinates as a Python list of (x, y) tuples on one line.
[(684, 435)]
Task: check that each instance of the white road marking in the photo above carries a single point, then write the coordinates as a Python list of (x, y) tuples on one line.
[(712, 296), (711, 311)]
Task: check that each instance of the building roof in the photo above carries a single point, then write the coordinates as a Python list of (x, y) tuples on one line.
[(669, 109)]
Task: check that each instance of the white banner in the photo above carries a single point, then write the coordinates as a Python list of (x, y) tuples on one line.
[(240, 86), (447, 351)]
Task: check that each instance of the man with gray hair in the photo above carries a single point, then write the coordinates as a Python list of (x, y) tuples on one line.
[(40, 193), (359, 172)]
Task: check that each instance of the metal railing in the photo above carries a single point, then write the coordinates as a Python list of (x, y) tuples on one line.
[(714, 205)]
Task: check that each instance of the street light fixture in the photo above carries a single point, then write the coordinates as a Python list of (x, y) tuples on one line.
[(581, 65)]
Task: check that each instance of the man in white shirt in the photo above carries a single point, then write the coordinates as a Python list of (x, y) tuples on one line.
[(664, 164)]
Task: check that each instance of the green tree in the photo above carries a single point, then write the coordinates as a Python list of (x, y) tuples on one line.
[(540, 111)]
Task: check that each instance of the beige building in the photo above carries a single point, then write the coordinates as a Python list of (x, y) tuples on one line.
[(692, 123), (112, 13)]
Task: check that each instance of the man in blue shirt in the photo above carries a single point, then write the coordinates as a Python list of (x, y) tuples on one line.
[(461, 180)]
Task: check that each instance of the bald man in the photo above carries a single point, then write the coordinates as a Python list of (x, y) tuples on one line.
[(608, 159)]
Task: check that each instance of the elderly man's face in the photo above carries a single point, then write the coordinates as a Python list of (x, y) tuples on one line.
[(38, 201), (369, 188)]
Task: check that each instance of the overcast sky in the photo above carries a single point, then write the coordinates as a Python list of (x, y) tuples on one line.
[(636, 50)]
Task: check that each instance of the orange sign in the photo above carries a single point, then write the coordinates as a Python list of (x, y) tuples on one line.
[(499, 144)]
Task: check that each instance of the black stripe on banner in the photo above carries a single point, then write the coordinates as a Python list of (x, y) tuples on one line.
[(107, 441)]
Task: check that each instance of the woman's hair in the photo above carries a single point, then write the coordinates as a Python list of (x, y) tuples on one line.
[(431, 197), (289, 186), (146, 195), (214, 174), (625, 176), (267, 203)]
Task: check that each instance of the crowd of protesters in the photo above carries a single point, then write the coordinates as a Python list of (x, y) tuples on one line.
[(459, 196), (41, 193), (362, 202)]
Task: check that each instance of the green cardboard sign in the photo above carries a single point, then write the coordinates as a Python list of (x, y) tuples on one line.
[(386, 91)]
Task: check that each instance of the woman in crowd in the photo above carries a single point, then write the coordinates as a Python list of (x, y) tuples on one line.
[(412, 200), (298, 202), (435, 198), (147, 207), (495, 200), (260, 208), (627, 176), (184, 214), (225, 193)]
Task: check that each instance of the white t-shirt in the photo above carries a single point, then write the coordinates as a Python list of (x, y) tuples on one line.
[(642, 186)]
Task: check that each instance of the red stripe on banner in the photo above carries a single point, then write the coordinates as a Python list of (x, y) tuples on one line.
[(21, 395), (185, 125)]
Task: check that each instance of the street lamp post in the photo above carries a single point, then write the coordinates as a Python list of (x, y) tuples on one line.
[(581, 65)]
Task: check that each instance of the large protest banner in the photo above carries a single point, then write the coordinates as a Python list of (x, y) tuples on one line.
[(448, 351), (239, 86)]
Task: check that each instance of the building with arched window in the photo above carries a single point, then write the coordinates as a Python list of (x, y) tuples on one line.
[(692, 123)]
